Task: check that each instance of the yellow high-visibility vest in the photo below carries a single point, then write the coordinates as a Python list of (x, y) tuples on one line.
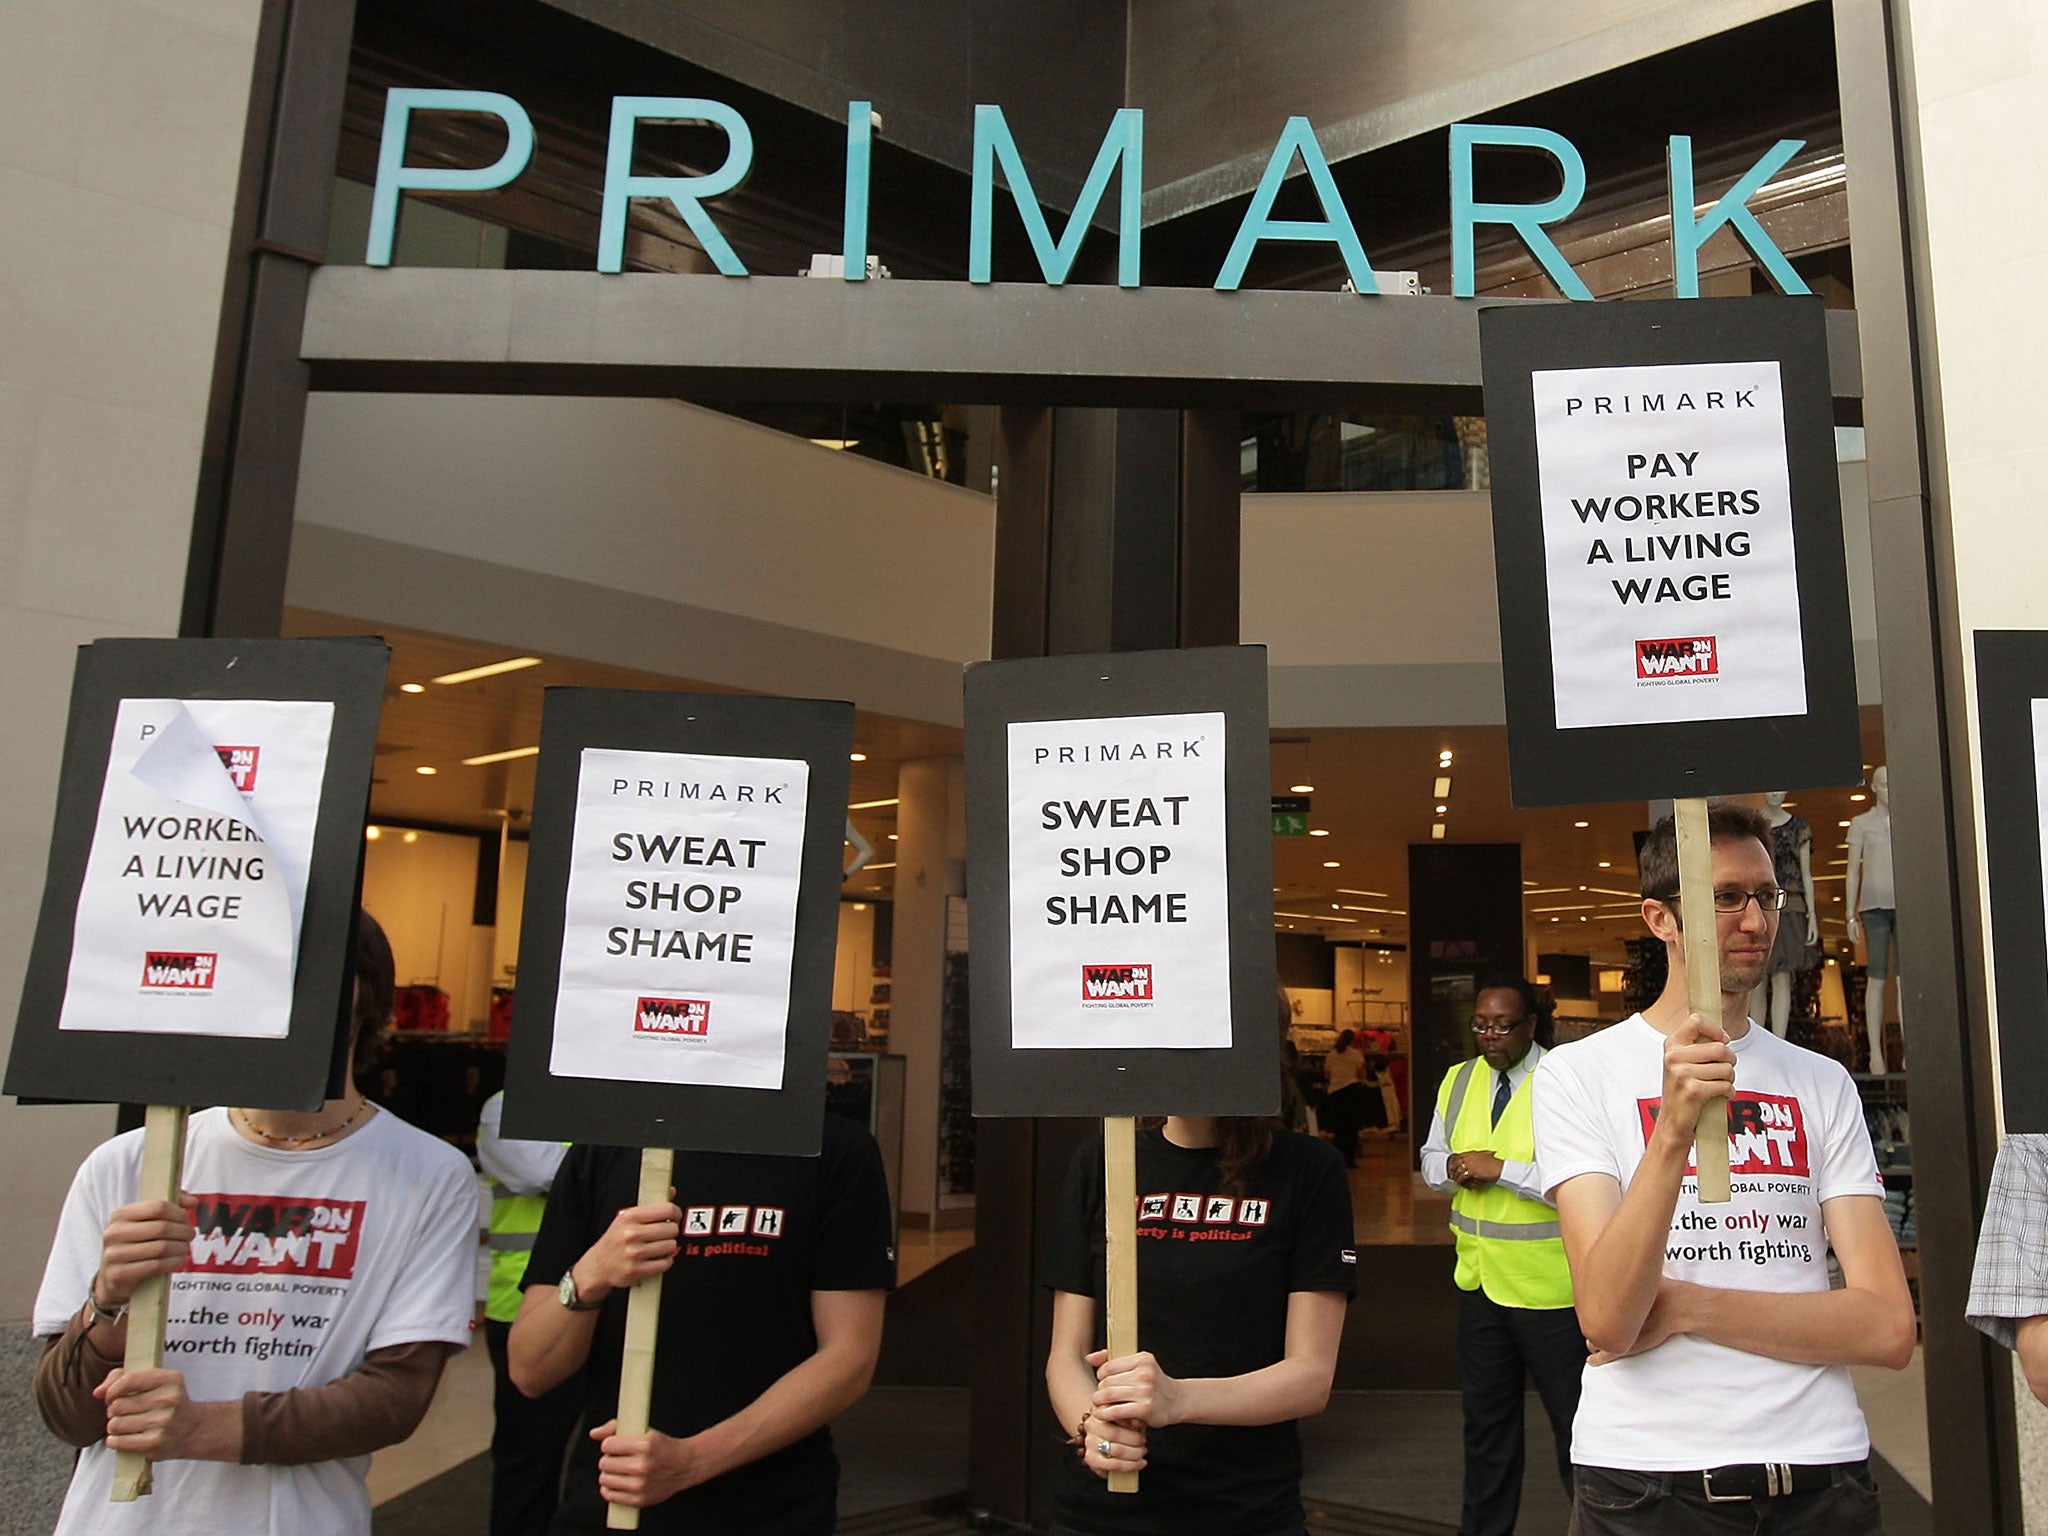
[(514, 1220), (1507, 1246)]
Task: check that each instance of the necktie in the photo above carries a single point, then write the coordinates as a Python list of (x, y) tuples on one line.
[(1501, 1094)]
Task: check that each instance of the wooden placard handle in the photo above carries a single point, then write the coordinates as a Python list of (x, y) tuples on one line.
[(1702, 979), (643, 1323), (1120, 1212), (163, 1162)]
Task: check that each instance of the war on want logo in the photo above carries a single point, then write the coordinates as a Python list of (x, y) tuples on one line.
[(673, 1018), (240, 763), (1123, 983), (1689, 656), (1766, 1133), (251, 1234), (178, 970)]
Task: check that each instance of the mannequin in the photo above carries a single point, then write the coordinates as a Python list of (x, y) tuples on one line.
[(1797, 948), (1870, 902)]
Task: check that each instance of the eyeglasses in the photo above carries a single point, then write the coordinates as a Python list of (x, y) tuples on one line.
[(1496, 1031), (1730, 901)]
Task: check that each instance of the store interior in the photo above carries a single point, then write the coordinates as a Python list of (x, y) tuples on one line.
[(445, 862)]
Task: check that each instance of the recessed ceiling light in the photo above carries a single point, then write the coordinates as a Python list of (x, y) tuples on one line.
[(373, 833), (856, 757), (500, 757), (871, 805), (1841, 823), (1607, 864), (411, 836), (1859, 796), (1582, 823), (1301, 789), (426, 771), (1330, 864), (1442, 790), (860, 906), (1325, 831), (1437, 831), (412, 687), (892, 837), (1443, 810), (471, 674)]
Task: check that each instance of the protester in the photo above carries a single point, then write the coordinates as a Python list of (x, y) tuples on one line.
[(529, 1435), (323, 1270), (1718, 1395), (1515, 1318), (775, 1270), (2009, 1286), (1245, 1265)]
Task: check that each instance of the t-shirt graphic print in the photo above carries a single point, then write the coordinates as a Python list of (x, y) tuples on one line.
[(1796, 1139)]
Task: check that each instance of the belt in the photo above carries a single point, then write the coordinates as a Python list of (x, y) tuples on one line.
[(1762, 1480)]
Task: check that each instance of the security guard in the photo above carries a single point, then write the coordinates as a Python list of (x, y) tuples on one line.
[(529, 1436), (1515, 1314)]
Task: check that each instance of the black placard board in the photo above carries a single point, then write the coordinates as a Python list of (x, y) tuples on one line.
[(188, 946), (1128, 970), (1667, 532), (718, 776), (2012, 730)]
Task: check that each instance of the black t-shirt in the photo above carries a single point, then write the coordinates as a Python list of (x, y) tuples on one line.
[(1214, 1275), (760, 1234)]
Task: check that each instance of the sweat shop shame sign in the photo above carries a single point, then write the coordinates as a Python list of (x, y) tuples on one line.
[(1119, 920), (1668, 543), (195, 886), (679, 924)]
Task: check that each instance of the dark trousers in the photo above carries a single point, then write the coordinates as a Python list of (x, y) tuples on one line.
[(1498, 1348), (529, 1439), (1617, 1503)]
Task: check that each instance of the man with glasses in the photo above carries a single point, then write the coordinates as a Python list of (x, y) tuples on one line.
[(1515, 1318), (1718, 1395)]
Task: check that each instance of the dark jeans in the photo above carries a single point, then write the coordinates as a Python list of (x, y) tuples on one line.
[(1497, 1348), (529, 1439), (1617, 1503)]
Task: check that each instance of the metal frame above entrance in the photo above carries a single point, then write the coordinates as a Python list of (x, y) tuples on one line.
[(708, 337)]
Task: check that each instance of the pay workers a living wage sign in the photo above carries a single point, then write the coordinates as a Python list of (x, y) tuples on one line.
[(1668, 549), (193, 945), (681, 921), (1120, 871), (1668, 543)]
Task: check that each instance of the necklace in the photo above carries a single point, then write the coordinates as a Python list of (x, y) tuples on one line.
[(275, 1140)]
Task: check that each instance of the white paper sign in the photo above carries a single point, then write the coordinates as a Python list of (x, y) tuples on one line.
[(188, 917), (680, 921), (1667, 535), (1119, 894)]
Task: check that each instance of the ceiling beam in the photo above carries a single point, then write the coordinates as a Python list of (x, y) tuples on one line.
[(709, 337)]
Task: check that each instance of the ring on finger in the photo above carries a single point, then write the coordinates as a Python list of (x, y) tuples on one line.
[(1105, 1450)]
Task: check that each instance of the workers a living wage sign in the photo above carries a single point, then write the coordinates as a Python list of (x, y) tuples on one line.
[(1667, 531), (194, 940)]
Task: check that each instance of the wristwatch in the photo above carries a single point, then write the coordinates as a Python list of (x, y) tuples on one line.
[(567, 1294)]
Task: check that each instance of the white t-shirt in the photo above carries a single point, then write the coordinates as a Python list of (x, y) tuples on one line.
[(1796, 1138), (302, 1263)]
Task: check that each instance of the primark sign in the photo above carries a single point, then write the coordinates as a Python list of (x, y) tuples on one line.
[(1120, 159)]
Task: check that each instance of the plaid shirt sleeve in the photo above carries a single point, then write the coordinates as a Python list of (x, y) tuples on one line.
[(2010, 1281)]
